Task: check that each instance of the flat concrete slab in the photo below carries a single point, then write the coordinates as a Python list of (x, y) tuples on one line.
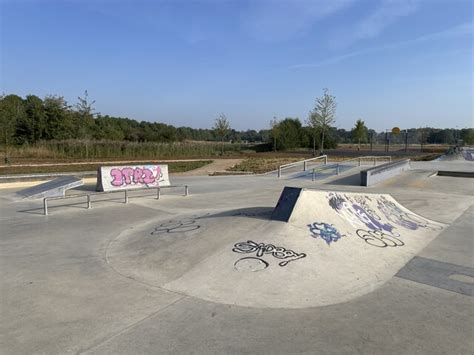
[(110, 280)]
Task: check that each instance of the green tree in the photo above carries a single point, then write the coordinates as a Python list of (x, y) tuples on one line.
[(322, 117), (467, 135), (290, 133), (59, 122), (85, 116), (11, 111), (274, 131), (37, 119), (221, 128), (359, 132)]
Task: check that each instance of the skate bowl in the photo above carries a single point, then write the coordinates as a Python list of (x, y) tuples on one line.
[(334, 247)]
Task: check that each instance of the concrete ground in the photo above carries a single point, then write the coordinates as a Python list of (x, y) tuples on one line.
[(94, 281)]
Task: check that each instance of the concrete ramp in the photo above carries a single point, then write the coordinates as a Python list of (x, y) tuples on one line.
[(53, 188), (335, 246)]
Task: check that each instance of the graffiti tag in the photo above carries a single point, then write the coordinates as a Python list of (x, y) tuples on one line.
[(128, 176), (180, 226), (261, 249), (325, 231), (379, 239)]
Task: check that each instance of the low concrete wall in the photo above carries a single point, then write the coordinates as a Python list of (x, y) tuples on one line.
[(126, 177), (382, 172)]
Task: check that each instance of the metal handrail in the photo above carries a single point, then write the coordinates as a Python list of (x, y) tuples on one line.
[(289, 165), (89, 201)]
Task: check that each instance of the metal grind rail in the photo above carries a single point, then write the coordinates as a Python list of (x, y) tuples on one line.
[(304, 162), (337, 166), (125, 192)]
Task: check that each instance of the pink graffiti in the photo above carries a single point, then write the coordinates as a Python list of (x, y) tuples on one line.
[(128, 175)]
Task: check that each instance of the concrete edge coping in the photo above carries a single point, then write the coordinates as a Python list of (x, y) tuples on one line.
[(384, 167)]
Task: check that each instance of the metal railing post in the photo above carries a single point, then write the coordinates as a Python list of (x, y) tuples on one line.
[(89, 204), (279, 171), (337, 169), (45, 206), (304, 165), (126, 196), (158, 193), (359, 161), (325, 160), (186, 190)]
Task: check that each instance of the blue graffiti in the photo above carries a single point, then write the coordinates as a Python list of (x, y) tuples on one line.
[(325, 231)]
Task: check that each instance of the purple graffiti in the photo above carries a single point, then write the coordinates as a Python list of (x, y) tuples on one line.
[(128, 176), (405, 219), (367, 218)]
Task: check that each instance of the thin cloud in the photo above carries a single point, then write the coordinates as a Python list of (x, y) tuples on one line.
[(389, 12), (273, 21), (460, 30)]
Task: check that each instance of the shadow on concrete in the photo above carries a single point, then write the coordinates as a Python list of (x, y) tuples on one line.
[(56, 207), (351, 180), (263, 213), (89, 188), (40, 210)]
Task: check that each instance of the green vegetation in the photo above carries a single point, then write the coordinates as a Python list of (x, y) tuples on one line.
[(322, 118), (50, 129), (360, 132), (263, 165), (174, 167)]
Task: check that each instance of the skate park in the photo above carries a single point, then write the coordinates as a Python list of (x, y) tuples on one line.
[(300, 260)]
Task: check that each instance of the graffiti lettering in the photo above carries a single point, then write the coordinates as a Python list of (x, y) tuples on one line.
[(181, 226), (379, 239), (262, 249), (405, 219), (358, 212), (325, 231), (128, 176)]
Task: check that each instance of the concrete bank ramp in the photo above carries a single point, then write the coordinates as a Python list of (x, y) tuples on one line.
[(53, 188), (335, 247)]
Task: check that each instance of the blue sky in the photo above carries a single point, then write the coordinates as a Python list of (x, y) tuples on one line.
[(406, 63)]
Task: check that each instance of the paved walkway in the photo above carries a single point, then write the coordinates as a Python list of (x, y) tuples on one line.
[(216, 165)]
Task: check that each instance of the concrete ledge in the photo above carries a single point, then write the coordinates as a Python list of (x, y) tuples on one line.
[(383, 172), (465, 174)]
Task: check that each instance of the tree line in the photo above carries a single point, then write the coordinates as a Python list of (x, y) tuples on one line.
[(32, 119)]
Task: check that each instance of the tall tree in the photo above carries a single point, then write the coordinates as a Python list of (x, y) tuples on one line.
[(221, 128), (275, 131), (359, 132), (291, 133), (85, 114), (37, 118), (12, 110), (322, 116), (58, 118)]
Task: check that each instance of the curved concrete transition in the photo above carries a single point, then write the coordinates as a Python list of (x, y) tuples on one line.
[(335, 247)]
